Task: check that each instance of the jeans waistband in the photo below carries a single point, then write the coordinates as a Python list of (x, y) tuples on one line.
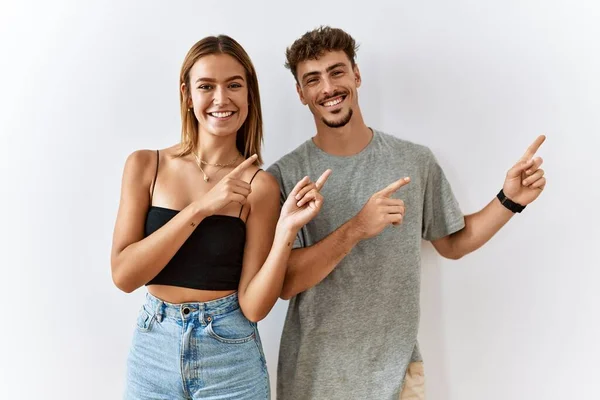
[(178, 311)]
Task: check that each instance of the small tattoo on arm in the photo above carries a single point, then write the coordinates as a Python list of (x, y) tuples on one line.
[(192, 224)]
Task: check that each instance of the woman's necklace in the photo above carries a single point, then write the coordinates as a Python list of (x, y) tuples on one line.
[(221, 166)]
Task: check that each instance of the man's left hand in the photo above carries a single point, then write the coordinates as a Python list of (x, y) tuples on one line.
[(525, 180)]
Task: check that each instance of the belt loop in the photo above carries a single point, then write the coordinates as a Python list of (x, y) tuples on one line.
[(159, 311), (202, 309)]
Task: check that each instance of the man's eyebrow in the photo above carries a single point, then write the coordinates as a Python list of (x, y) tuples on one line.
[(328, 69)]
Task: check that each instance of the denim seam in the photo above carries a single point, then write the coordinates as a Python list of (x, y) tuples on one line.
[(263, 360), (182, 361)]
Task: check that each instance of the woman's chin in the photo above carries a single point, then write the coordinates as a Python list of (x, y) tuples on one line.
[(222, 133)]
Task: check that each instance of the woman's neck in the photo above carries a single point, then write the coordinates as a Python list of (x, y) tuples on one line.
[(214, 149)]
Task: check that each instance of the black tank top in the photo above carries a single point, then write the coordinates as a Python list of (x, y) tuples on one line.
[(212, 256)]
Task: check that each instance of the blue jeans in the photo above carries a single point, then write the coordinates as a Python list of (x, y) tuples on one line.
[(196, 351)]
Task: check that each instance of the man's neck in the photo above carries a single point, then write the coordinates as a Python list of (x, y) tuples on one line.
[(348, 140)]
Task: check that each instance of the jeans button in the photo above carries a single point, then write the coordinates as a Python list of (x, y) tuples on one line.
[(186, 311), (208, 318)]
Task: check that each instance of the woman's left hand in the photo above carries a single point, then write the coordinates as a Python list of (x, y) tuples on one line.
[(304, 202)]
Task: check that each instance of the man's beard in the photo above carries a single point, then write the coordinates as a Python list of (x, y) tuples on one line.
[(340, 123)]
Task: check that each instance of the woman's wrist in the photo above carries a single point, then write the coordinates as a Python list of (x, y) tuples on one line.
[(198, 211), (285, 231)]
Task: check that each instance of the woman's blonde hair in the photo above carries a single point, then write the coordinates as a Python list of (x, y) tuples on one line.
[(250, 136)]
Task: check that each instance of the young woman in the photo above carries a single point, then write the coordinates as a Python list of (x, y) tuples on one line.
[(200, 225)]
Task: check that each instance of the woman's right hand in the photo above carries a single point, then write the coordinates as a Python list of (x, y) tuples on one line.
[(304, 202), (229, 189)]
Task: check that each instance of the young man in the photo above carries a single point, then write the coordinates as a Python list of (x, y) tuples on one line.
[(354, 274)]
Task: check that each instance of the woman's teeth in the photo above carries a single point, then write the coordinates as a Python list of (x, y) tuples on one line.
[(221, 114)]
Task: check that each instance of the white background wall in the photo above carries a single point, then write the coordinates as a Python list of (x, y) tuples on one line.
[(83, 84)]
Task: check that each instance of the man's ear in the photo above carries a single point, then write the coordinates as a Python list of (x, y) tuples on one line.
[(357, 75)]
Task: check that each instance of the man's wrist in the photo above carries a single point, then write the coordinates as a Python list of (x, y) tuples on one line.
[(508, 203), (352, 231)]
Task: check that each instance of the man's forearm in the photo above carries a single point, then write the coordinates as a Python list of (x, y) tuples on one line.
[(310, 265), (479, 228)]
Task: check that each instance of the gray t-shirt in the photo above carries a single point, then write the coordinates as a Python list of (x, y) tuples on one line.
[(353, 335)]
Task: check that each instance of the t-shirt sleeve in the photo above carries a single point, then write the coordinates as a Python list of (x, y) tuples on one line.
[(441, 212), (275, 170)]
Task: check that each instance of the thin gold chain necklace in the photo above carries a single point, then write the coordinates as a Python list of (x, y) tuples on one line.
[(199, 162)]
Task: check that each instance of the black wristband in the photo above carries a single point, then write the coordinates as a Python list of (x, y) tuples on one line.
[(508, 203)]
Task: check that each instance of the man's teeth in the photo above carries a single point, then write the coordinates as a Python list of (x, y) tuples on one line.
[(333, 102), (221, 114)]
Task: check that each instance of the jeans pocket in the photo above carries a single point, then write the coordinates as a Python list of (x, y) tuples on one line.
[(145, 320), (231, 328)]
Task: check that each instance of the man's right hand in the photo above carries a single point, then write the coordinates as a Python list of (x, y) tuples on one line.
[(380, 211)]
